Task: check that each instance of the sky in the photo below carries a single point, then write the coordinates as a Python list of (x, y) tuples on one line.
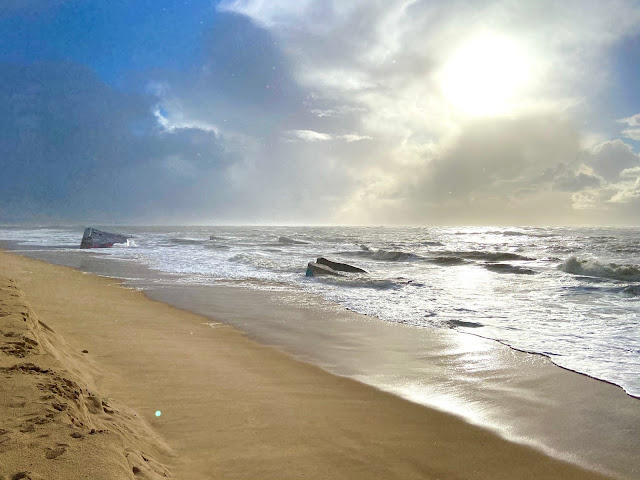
[(365, 112)]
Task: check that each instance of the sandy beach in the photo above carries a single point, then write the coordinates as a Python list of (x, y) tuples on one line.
[(99, 381)]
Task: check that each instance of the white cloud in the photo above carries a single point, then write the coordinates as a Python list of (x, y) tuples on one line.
[(375, 67), (633, 132), (338, 111), (610, 158), (309, 135), (352, 137), (630, 173), (172, 125)]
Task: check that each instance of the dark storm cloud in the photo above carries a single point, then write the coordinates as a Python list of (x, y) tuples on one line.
[(72, 147), (610, 158), (243, 85), (575, 182), (495, 158)]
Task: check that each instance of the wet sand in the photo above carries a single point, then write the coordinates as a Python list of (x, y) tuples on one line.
[(229, 407)]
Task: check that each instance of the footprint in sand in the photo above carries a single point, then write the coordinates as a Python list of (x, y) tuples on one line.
[(25, 476), (52, 453)]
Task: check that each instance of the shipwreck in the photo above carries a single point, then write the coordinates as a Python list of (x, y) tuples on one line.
[(94, 238), (322, 266)]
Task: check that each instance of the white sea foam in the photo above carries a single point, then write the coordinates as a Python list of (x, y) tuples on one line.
[(594, 268), (506, 284)]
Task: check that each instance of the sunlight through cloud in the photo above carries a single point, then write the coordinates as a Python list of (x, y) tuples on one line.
[(485, 76)]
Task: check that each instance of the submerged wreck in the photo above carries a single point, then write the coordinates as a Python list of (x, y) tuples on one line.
[(340, 267), (94, 238), (322, 266)]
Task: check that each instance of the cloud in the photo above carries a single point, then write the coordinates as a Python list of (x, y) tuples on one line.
[(171, 125), (576, 181), (74, 148), (307, 111), (354, 137), (617, 197), (309, 135), (609, 158), (376, 66), (491, 170), (633, 132)]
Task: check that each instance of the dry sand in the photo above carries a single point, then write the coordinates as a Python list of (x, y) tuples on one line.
[(230, 408)]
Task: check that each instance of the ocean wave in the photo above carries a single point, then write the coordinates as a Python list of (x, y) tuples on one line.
[(593, 268), (394, 256), (488, 256), (217, 246), (339, 239), (580, 289), (432, 244), (508, 233), (507, 268), (264, 263), (248, 259), (602, 239), (633, 290), (629, 248), (291, 241), (447, 260), (363, 281), (383, 255), (462, 323), (186, 241)]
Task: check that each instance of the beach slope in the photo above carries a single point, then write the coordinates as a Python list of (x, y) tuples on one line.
[(54, 423), (202, 400)]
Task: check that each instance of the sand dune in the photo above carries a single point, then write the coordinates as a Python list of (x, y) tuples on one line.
[(53, 421)]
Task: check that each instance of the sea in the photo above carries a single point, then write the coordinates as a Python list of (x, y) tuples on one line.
[(569, 294), (572, 294)]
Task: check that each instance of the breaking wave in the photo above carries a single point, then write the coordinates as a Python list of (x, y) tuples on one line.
[(488, 256), (432, 244), (384, 255), (366, 282), (186, 241), (463, 323), (394, 256), (633, 290), (217, 246), (593, 268), (291, 241), (507, 268), (447, 261)]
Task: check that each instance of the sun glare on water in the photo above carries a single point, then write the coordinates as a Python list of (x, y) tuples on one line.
[(485, 76)]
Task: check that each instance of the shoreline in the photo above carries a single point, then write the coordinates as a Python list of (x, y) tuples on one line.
[(550, 358), (127, 283), (362, 437)]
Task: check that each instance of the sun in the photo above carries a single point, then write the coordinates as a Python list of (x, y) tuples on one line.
[(485, 76)]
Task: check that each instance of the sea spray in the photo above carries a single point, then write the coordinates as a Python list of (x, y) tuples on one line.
[(594, 268), (568, 293)]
